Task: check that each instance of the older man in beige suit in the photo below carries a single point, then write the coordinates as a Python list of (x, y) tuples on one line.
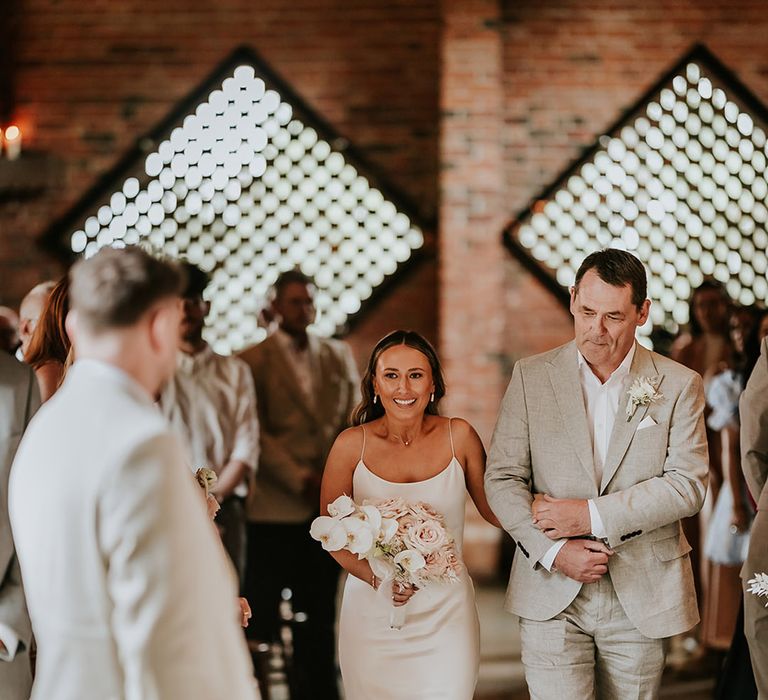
[(754, 462), (598, 452), (306, 388)]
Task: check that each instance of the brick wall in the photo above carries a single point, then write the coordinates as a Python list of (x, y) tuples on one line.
[(516, 89), (94, 76)]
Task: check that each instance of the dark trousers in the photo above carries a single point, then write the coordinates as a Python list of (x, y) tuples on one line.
[(231, 523), (285, 556)]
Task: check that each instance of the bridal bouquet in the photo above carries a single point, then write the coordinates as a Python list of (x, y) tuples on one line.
[(404, 542)]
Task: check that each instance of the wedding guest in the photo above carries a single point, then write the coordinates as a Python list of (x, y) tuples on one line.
[(704, 348), (211, 404), (9, 330), (49, 348), (19, 399), (598, 452), (728, 528), (306, 388), (753, 410), (29, 312), (129, 591)]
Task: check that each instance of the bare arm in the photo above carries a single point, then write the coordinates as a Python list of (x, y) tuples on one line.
[(337, 481), (471, 454), (740, 517)]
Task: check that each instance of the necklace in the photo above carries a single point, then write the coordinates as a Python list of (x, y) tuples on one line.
[(398, 438)]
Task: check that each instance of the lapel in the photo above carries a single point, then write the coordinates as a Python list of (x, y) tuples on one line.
[(566, 386), (623, 429), (284, 369)]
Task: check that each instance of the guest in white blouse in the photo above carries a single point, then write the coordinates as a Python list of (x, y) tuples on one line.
[(211, 404)]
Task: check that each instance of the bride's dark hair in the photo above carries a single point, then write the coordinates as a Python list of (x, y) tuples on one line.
[(367, 410)]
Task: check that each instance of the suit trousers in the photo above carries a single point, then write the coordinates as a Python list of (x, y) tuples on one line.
[(755, 612), (231, 523), (591, 650), (283, 555)]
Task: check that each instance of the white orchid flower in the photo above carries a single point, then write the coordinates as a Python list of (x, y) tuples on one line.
[(410, 560), (359, 536), (382, 567), (388, 530), (329, 532), (341, 507), (373, 518)]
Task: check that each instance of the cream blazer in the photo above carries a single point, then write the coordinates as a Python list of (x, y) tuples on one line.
[(129, 591), (296, 434), (653, 477)]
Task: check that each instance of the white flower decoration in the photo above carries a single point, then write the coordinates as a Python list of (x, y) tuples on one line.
[(759, 586), (373, 518), (341, 507), (360, 537), (410, 560), (641, 393), (329, 532), (388, 530)]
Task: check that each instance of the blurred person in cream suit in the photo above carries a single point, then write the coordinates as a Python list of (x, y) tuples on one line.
[(592, 487), (306, 388), (753, 414), (130, 593), (19, 398)]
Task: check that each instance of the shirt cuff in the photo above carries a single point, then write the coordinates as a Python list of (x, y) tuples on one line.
[(596, 522), (11, 641), (549, 556)]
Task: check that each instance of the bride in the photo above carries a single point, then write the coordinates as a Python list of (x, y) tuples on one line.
[(402, 447)]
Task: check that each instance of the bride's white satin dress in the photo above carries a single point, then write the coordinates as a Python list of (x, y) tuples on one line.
[(435, 655)]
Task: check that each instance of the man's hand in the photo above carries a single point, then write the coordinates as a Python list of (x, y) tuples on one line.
[(583, 560), (3, 648), (561, 517)]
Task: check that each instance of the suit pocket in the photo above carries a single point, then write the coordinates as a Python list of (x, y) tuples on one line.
[(671, 548)]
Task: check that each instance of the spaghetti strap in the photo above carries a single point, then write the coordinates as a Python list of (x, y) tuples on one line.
[(450, 435), (362, 451)]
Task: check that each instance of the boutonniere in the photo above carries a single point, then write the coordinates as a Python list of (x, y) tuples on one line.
[(759, 586), (641, 393)]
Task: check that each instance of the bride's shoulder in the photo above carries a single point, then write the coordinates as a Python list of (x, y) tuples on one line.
[(461, 430)]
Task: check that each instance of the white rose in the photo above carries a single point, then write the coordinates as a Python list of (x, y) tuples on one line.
[(341, 507), (410, 560), (329, 533), (359, 536)]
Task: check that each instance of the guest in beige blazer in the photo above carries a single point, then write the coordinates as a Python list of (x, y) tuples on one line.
[(592, 488), (306, 388), (753, 412), (19, 399)]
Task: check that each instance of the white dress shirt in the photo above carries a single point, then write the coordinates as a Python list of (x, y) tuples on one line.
[(601, 401), (300, 360), (211, 405)]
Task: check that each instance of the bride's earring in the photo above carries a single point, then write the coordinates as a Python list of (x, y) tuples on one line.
[(375, 398), (432, 398)]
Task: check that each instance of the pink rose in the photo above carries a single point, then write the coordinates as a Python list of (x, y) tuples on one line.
[(426, 536)]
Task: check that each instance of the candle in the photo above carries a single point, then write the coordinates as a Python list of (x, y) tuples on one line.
[(12, 142)]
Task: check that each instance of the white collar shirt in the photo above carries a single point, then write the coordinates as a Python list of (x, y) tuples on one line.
[(300, 360), (211, 404), (601, 401)]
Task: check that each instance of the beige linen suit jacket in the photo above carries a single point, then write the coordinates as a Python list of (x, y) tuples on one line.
[(652, 478), (753, 415), (19, 399), (296, 432), (129, 590)]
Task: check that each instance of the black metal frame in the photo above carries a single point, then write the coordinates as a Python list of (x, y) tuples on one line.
[(698, 54), (55, 240)]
